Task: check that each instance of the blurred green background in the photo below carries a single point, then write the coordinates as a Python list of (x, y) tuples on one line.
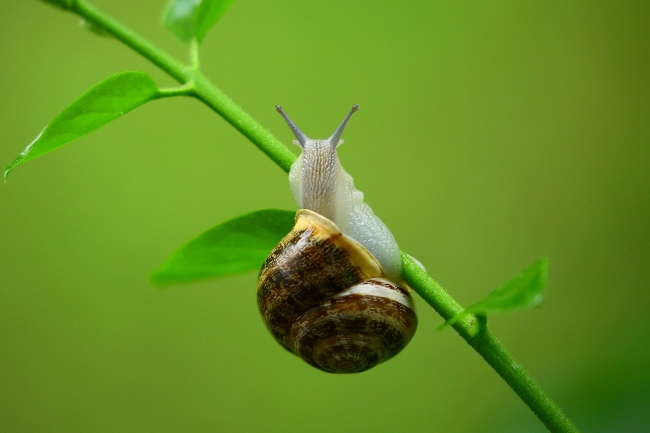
[(490, 134)]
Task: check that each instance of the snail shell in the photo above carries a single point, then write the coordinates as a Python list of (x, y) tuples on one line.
[(324, 297)]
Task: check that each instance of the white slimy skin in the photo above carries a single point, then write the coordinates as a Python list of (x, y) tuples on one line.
[(319, 183)]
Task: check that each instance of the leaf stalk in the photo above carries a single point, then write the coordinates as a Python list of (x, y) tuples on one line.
[(184, 90), (195, 62)]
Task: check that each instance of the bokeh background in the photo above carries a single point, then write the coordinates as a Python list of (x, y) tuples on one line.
[(490, 134)]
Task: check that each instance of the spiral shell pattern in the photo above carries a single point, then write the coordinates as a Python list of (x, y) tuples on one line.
[(323, 297)]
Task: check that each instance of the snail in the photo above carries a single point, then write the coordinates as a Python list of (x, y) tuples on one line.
[(331, 291)]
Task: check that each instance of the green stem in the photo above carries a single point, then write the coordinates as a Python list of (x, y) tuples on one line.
[(158, 57), (244, 123), (204, 89), (472, 328), (184, 90)]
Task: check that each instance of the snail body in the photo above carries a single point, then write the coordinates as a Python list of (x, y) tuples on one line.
[(330, 291), (320, 183)]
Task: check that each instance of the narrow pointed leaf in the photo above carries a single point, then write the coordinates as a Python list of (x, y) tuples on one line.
[(191, 19), (105, 102), (524, 291), (95, 29), (236, 246), (63, 4)]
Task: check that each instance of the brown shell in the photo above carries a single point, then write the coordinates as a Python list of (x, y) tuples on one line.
[(323, 297)]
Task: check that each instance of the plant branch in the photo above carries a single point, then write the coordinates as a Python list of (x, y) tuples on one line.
[(158, 57), (472, 328), (205, 91), (195, 62), (475, 332), (184, 90)]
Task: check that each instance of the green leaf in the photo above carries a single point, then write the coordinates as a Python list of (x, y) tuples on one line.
[(63, 4), (105, 102), (190, 19), (524, 291), (95, 29), (238, 245)]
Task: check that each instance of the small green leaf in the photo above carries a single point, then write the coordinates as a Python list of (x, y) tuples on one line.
[(209, 13), (524, 291), (238, 245), (93, 28), (190, 19), (63, 4), (105, 102)]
